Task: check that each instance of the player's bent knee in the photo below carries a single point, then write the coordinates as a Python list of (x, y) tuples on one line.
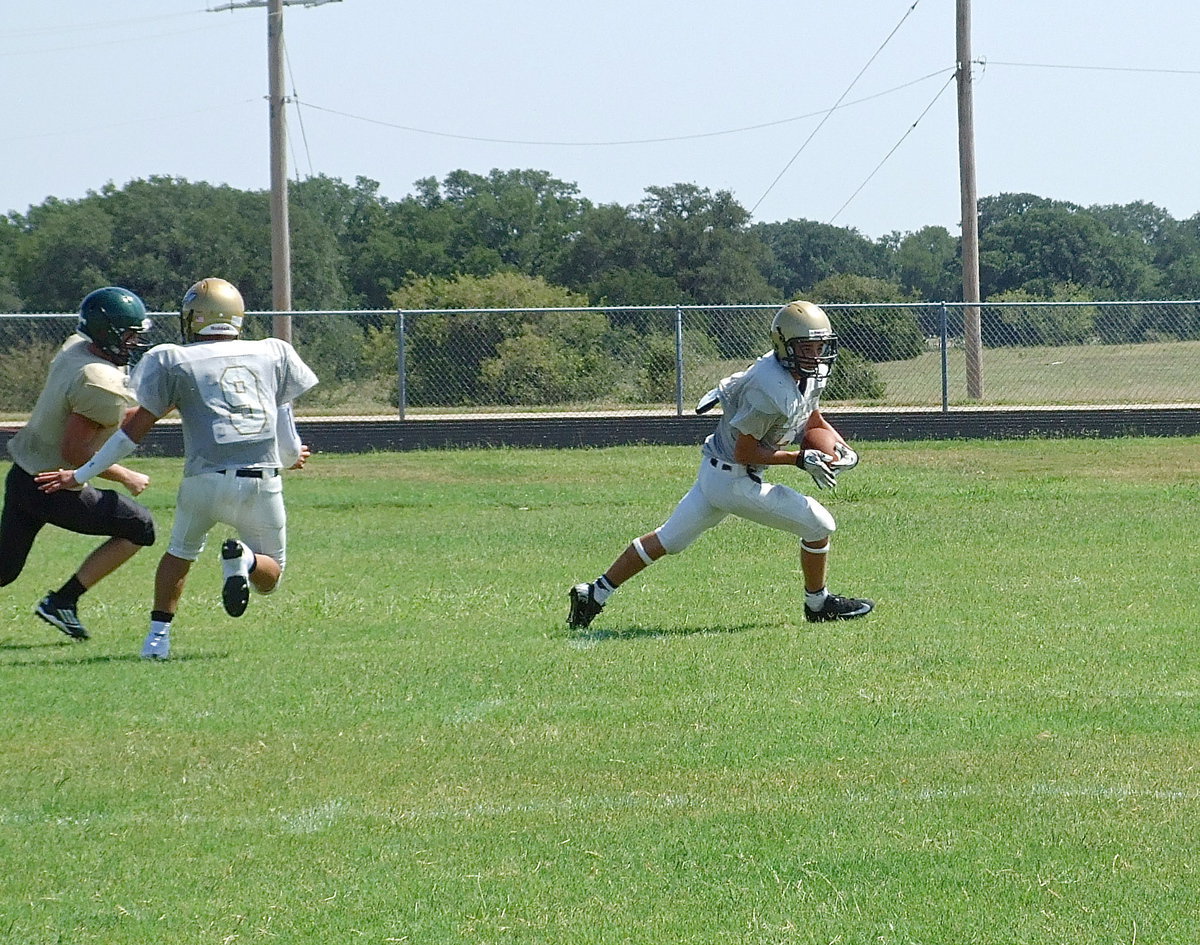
[(822, 525), (141, 532), (145, 537), (650, 550)]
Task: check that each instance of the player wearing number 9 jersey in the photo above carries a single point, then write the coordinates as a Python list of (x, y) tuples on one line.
[(234, 401)]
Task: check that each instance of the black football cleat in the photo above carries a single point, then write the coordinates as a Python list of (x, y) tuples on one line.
[(61, 615), (584, 606), (840, 608)]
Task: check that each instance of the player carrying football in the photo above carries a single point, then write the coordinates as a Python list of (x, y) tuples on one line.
[(772, 404)]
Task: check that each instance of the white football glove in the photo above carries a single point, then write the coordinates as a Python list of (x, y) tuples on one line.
[(813, 461), (846, 459)]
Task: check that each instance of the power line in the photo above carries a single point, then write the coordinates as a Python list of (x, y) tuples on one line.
[(96, 25), (299, 115), (895, 147), (75, 130), (1051, 65), (813, 133), (625, 142)]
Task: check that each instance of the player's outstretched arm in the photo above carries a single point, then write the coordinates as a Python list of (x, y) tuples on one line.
[(115, 448)]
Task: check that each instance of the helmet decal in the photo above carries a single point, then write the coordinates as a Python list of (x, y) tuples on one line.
[(211, 308)]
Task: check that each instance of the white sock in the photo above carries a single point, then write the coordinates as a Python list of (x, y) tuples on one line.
[(602, 590), (243, 565), (815, 599)]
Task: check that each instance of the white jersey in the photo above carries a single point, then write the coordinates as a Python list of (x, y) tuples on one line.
[(766, 402), (228, 394)]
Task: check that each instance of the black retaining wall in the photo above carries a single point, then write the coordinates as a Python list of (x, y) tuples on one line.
[(360, 436)]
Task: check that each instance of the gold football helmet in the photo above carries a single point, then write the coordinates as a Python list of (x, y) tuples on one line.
[(794, 326), (211, 307)]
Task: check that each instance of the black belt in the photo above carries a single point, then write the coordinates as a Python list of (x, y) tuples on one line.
[(725, 467), (255, 473)]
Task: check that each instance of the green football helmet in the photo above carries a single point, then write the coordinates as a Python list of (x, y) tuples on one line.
[(211, 307), (113, 318), (794, 325)]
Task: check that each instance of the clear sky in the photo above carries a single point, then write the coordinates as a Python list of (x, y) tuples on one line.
[(1094, 103)]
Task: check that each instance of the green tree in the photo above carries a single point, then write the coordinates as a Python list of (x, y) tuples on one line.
[(389, 243), (928, 264), (877, 332), (10, 298), (854, 378), (517, 219), (160, 235), (610, 261), (702, 240), (803, 252), (64, 251), (467, 357), (1047, 243), (1143, 221), (1000, 207), (1011, 323), (1178, 258)]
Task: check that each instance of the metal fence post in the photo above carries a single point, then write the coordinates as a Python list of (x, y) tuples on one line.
[(678, 361), (944, 330), (401, 384)]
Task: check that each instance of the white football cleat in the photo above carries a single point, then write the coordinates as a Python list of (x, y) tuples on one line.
[(157, 645), (235, 565)]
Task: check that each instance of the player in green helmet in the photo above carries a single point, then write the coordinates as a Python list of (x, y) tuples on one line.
[(85, 398)]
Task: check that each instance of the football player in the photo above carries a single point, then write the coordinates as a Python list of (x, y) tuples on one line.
[(234, 400), (85, 398), (770, 405)]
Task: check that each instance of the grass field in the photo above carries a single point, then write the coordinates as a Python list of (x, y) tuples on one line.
[(406, 744), (1151, 373)]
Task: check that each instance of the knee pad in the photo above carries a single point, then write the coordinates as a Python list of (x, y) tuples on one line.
[(822, 526), (143, 535)]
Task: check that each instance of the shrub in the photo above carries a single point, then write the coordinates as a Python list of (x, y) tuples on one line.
[(23, 372), (1023, 326), (854, 378)]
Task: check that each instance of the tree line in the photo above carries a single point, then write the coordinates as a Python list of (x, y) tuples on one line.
[(681, 244), (523, 239)]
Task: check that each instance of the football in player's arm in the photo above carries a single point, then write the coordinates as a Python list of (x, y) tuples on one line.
[(767, 408)]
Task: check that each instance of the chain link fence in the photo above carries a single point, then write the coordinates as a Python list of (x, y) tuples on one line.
[(660, 359)]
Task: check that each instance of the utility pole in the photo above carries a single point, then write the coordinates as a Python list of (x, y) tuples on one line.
[(281, 241), (972, 333)]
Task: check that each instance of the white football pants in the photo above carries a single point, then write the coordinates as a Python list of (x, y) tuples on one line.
[(719, 492), (253, 507)]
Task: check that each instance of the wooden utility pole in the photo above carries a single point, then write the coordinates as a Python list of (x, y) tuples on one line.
[(972, 334), (281, 240)]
